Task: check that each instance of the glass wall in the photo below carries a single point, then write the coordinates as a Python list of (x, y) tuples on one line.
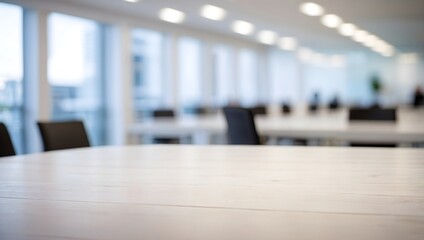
[(223, 75), (329, 82), (248, 77), (74, 72), (190, 72), (11, 72), (148, 71), (284, 75)]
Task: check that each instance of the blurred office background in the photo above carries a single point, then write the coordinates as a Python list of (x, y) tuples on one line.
[(113, 63)]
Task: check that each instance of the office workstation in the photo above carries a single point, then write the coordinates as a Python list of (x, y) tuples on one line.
[(147, 119), (333, 127)]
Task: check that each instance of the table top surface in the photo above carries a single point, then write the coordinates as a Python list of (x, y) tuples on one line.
[(409, 127), (214, 192)]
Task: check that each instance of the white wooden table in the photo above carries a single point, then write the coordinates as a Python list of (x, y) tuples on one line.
[(214, 192), (324, 126)]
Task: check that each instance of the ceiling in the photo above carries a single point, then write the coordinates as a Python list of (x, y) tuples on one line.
[(398, 22)]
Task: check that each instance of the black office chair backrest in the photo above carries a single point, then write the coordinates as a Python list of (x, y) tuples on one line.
[(259, 110), (334, 105), (241, 126), (286, 109), (63, 135), (163, 113), (6, 145), (372, 114), (313, 108)]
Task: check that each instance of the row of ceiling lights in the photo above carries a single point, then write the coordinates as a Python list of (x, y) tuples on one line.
[(348, 29), (241, 27), (286, 43)]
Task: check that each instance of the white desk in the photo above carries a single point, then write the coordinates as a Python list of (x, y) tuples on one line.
[(214, 192), (325, 126)]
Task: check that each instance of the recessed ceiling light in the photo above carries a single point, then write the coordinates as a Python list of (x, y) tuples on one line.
[(360, 36), (213, 12), (347, 29), (171, 15), (311, 9), (388, 54), (131, 1), (267, 37), (370, 40), (380, 46), (287, 43), (331, 20), (242, 27), (383, 48), (388, 51)]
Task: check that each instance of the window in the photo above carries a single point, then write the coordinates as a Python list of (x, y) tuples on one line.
[(284, 70), (148, 67), (223, 75), (190, 72), (11, 72), (327, 81), (74, 72), (248, 77)]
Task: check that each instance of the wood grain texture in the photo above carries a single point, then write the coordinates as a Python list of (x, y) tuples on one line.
[(213, 192)]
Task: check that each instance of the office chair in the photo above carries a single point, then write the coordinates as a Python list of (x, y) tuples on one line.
[(313, 108), (259, 110), (334, 105), (286, 109), (376, 115), (6, 145), (372, 114), (241, 126), (164, 114), (63, 135)]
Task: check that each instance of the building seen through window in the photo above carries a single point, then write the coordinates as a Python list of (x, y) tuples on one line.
[(148, 71), (75, 73), (11, 73)]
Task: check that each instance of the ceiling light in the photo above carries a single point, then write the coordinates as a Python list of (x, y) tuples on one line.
[(360, 36), (171, 15), (370, 40), (388, 54), (212, 12), (331, 20), (131, 1), (267, 37), (242, 27), (385, 50), (380, 46), (287, 43), (347, 29), (311, 9), (388, 51)]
